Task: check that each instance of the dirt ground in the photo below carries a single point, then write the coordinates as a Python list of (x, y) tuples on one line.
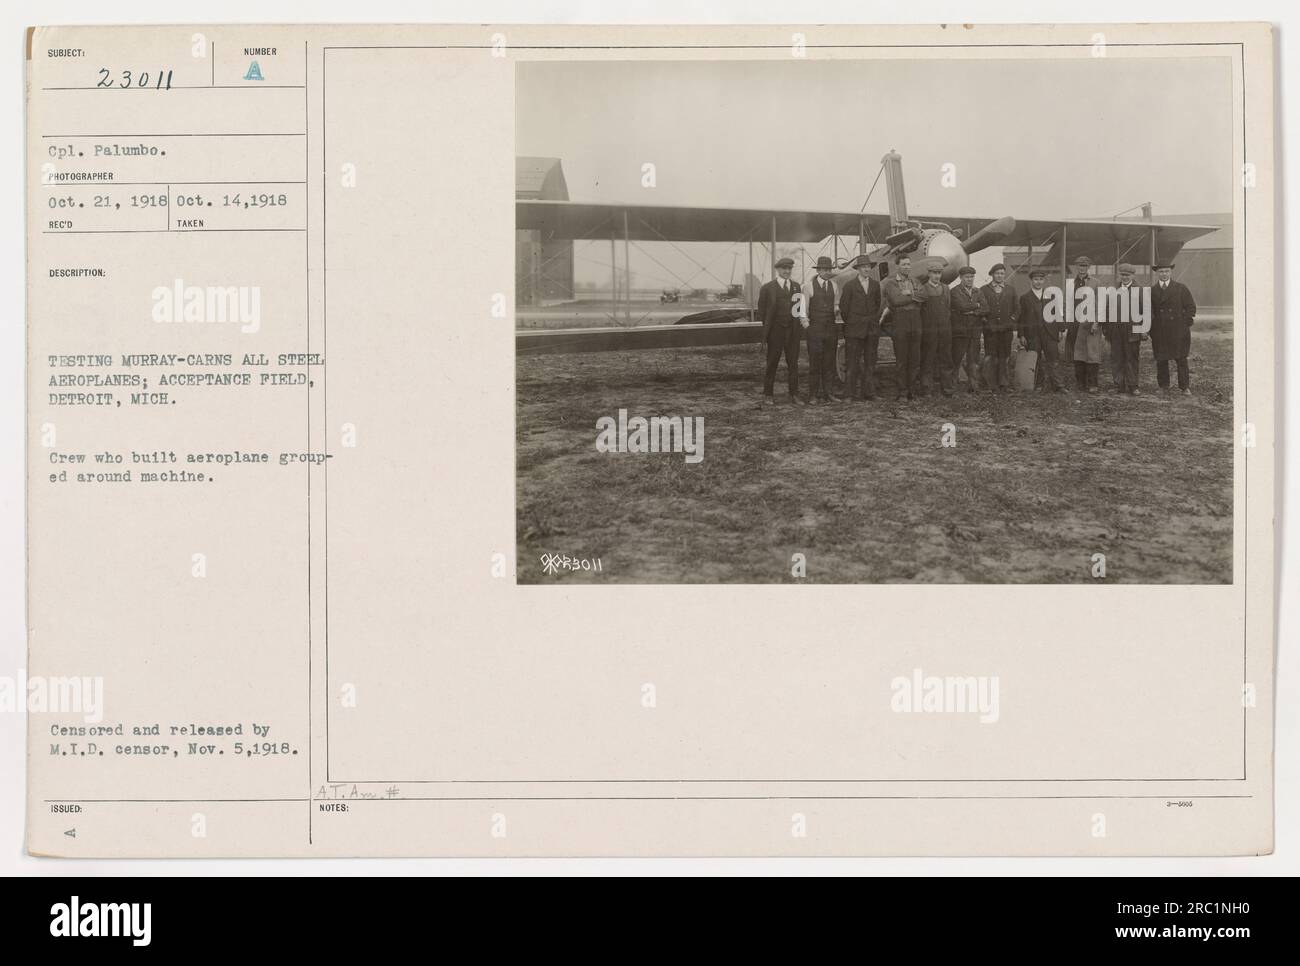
[(1035, 486)]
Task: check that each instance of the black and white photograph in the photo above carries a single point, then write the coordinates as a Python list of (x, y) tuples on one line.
[(876, 320)]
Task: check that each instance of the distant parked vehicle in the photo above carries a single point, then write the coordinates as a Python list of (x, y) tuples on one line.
[(670, 295)]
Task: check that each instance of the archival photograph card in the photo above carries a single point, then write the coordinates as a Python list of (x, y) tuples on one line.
[(701, 441)]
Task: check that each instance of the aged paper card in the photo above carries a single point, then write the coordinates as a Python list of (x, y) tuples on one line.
[(650, 441)]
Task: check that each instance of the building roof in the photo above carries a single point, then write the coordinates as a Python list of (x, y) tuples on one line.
[(540, 179)]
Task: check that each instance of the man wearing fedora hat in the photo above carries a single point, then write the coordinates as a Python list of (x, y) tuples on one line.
[(781, 330), (822, 305), (1173, 310), (860, 310)]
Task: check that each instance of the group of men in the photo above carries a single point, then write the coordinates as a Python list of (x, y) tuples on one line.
[(938, 331)]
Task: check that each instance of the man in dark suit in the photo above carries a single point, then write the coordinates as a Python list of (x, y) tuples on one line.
[(1039, 335), (1173, 310), (1081, 279), (967, 321), (1124, 342), (860, 309), (999, 324), (821, 302), (781, 330)]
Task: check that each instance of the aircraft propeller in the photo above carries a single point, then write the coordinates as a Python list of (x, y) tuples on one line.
[(990, 234)]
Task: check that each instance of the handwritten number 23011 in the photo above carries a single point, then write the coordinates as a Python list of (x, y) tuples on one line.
[(161, 81)]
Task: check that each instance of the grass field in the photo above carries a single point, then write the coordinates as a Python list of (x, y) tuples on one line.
[(1035, 485)]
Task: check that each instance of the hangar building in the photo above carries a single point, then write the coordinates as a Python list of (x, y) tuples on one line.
[(543, 266)]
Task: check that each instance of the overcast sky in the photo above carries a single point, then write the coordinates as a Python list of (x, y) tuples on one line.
[(1033, 139)]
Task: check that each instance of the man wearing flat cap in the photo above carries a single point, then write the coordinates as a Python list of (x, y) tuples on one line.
[(822, 303), (999, 324), (1082, 266), (1039, 335), (1124, 342), (936, 329), (966, 317), (1173, 310), (782, 330), (860, 308)]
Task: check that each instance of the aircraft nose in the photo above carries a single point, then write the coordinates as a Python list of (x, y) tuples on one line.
[(946, 246)]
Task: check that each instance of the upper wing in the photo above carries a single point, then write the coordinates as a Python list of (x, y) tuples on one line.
[(1105, 241), (1108, 241), (580, 220), (1094, 237)]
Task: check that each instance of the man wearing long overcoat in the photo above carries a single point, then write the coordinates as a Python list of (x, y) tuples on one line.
[(782, 332), (1173, 310)]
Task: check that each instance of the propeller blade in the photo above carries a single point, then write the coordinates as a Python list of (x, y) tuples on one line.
[(990, 234)]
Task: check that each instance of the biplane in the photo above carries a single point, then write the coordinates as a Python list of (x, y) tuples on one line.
[(882, 238)]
